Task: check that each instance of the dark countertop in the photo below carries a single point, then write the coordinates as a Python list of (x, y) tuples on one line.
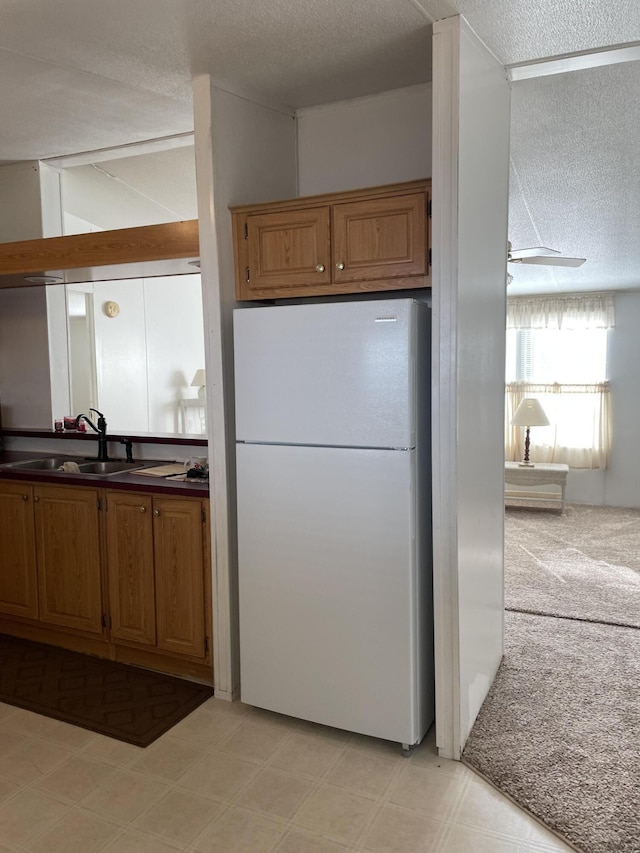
[(125, 481)]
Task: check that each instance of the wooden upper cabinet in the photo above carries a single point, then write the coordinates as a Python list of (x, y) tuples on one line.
[(18, 578), (364, 240), (69, 557), (379, 238), (292, 246)]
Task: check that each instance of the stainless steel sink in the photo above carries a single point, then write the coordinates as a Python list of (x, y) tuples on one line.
[(104, 469), (53, 465)]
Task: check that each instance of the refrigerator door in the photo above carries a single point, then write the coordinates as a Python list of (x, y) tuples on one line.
[(332, 374), (327, 587)]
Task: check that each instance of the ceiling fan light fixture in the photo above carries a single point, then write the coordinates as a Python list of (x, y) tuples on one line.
[(542, 256)]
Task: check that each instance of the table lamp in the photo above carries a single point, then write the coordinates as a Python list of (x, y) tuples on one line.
[(199, 381), (529, 413)]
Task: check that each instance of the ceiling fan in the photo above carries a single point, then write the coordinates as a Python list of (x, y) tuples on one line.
[(541, 255)]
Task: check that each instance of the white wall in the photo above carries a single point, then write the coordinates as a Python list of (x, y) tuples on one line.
[(622, 480), (25, 391), (29, 209), (147, 355), (121, 357), (471, 101), (619, 485), (60, 392), (365, 142), (245, 152), (175, 346), (29, 202), (140, 192)]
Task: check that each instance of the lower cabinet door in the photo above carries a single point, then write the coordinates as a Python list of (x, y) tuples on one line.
[(130, 567), (18, 577), (69, 557), (179, 571)]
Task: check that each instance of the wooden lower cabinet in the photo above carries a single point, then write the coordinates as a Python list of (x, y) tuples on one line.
[(18, 573), (156, 565), (114, 573), (69, 557), (130, 567), (178, 552)]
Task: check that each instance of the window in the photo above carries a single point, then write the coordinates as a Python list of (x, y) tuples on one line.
[(556, 352), (556, 355)]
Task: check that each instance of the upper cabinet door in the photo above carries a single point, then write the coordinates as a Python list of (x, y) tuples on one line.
[(288, 249), (380, 238)]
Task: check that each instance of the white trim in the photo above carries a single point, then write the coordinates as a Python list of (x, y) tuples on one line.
[(209, 269), (132, 149), (226, 696), (444, 348), (577, 61)]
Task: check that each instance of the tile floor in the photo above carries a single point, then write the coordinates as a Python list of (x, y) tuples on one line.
[(234, 779)]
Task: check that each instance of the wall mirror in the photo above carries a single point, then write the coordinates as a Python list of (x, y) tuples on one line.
[(135, 346), (134, 350)]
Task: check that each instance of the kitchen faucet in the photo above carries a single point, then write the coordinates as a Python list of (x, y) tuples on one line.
[(101, 429)]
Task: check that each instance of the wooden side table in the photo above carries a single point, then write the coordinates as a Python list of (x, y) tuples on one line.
[(540, 474)]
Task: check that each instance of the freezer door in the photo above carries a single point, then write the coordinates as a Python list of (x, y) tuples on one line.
[(327, 587), (337, 374)]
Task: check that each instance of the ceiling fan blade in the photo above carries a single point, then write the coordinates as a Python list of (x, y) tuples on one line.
[(536, 251), (553, 261)]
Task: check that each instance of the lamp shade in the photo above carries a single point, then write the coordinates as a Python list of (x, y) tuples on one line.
[(198, 378), (529, 413)]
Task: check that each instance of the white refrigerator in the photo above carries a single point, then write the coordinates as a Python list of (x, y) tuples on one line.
[(334, 513)]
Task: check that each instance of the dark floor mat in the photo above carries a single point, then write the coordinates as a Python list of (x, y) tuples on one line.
[(124, 702)]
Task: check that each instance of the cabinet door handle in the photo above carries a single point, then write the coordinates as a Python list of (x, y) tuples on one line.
[(36, 499), (143, 509), (25, 497), (340, 266), (320, 268), (156, 512)]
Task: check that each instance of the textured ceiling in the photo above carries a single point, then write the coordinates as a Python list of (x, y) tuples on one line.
[(575, 177), (145, 189), (80, 75), (517, 31), (286, 52), (47, 110)]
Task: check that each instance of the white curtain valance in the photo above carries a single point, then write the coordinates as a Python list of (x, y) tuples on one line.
[(586, 311)]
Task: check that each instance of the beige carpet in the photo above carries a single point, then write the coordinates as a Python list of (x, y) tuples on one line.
[(559, 731), (583, 565)]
